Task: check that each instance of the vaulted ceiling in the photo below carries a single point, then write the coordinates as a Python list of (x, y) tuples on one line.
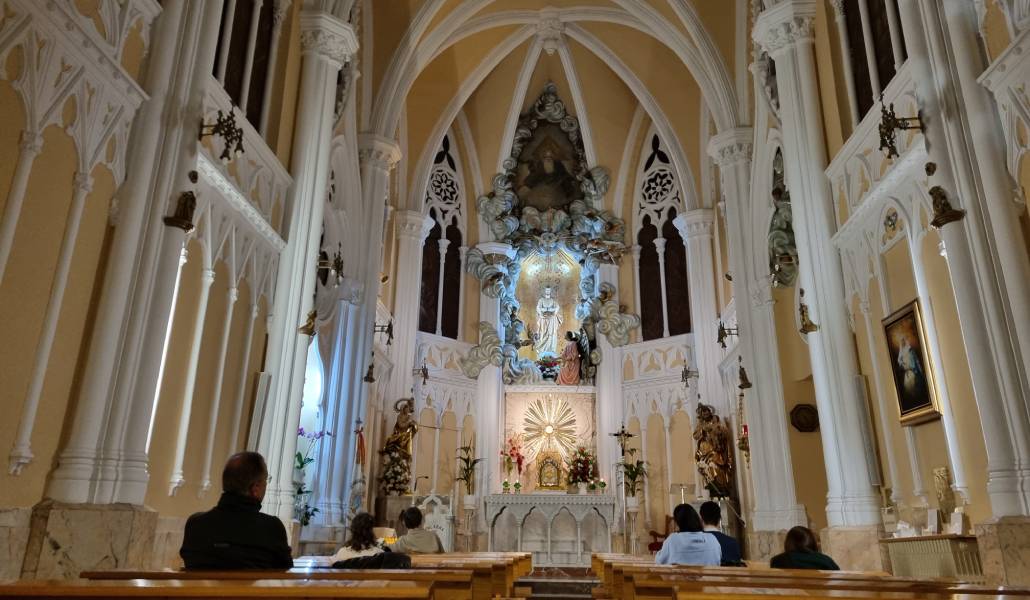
[(620, 66)]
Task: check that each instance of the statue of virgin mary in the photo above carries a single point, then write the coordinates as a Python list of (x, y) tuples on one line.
[(548, 322)]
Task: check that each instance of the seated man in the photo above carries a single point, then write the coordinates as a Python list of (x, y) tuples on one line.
[(417, 540), (711, 516), (236, 534), (691, 546)]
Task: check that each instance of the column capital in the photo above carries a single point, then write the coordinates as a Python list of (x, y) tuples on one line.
[(326, 36), (731, 147), (383, 152), (413, 224), (696, 223), (784, 25)]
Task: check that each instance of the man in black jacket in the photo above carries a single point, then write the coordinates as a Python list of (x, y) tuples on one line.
[(711, 516), (236, 534)]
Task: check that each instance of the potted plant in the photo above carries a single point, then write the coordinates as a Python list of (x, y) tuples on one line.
[(505, 486), (633, 474), (467, 474), (582, 468)]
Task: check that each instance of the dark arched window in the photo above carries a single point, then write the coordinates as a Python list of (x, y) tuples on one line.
[(440, 303)]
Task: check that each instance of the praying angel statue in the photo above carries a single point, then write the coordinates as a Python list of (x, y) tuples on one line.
[(548, 322)]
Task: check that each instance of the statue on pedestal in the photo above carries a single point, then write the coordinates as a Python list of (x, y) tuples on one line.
[(714, 454), (548, 320), (397, 450)]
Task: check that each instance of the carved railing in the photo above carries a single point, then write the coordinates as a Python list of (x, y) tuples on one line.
[(861, 170), (446, 388), (257, 173)]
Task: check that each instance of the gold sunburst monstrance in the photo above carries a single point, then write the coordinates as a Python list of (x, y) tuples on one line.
[(550, 424)]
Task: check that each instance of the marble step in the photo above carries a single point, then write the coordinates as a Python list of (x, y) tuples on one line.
[(548, 588)]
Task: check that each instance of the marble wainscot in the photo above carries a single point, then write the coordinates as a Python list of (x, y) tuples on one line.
[(14, 537), (167, 541), (855, 548), (66, 539), (1005, 550), (559, 529)]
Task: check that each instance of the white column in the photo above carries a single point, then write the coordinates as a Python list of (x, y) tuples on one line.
[(178, 478), (668, 461), (644, 457), (659, 244), (786, 32), (772, 472), (21, 452), (845, 52), (462, 254), (958, 470), (635, 249), (29, 147), (695, 228), (241, 383), (226, 40), (870, 50), (610, 403), (105, 457), (248, 67), (443, 243), (489, 414), (412, 229), (216, 391), (436, 451), (327, 43), (279, 8), (990, 333), (914, 464), (895, 28)]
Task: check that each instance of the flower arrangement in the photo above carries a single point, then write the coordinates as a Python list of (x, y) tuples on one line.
[(634, 474), (302, 509), (582, 466), (549, 366), (467, 468), (511, 455), (396, 477)]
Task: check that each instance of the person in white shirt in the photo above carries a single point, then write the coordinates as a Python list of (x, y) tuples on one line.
[(691, 545), (362, 540)]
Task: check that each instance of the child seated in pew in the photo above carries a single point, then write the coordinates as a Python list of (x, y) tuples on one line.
[(417, 540), (801, 551), (691, 546), (364, 551)]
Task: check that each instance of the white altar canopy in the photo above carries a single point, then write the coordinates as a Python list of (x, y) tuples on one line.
[(561, 545)]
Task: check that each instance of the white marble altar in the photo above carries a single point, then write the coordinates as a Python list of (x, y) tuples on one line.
[(559, 529)]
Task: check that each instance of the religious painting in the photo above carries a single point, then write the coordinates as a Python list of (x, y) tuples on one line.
[(910, 365), (548, 293), (545, 177)]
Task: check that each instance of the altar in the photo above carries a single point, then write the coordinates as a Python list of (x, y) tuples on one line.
[(559, 529)]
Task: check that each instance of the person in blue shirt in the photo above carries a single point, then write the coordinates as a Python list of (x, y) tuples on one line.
[(711, 516), (691, 545)]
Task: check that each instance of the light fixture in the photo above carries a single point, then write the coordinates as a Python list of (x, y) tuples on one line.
[(687, 374), (807, 325), (745, 383), (889, 126), (331, 268), (422, 372), (387, 329), (743, 438), (725, 332), (225, 128), (370, 375)]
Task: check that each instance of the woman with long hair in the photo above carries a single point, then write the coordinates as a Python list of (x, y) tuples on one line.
[(801, 551), (362, 540), (691, 545)]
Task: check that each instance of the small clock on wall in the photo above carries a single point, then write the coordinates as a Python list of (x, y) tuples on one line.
[(804, 418)]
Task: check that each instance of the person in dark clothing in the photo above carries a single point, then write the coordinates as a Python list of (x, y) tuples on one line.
[(711, 516), (235, 534), (801, 551)]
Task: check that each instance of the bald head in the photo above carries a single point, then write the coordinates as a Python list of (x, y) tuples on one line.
[(245, 473)]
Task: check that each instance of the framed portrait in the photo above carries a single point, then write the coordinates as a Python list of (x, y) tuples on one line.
[(545, 177), (911, 366)]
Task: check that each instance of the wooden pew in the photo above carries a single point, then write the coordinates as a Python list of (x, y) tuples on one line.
[(204, 589), (447, 584), (490, 576)]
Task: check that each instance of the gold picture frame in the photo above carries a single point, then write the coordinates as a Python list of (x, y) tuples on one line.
[(911, 365), (550, 474)]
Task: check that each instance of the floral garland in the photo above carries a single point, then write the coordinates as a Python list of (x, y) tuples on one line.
[(396, 477), (582, 466)]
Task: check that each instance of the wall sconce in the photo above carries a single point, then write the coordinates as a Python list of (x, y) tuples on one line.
[(370, 375), (331, 267), (225, 128), (807, 326), (387, 329), (308, 328), (687, 374), (725, 332), (422, 372), (184, 209), (889, 126), (781, 262), (745, 383)]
